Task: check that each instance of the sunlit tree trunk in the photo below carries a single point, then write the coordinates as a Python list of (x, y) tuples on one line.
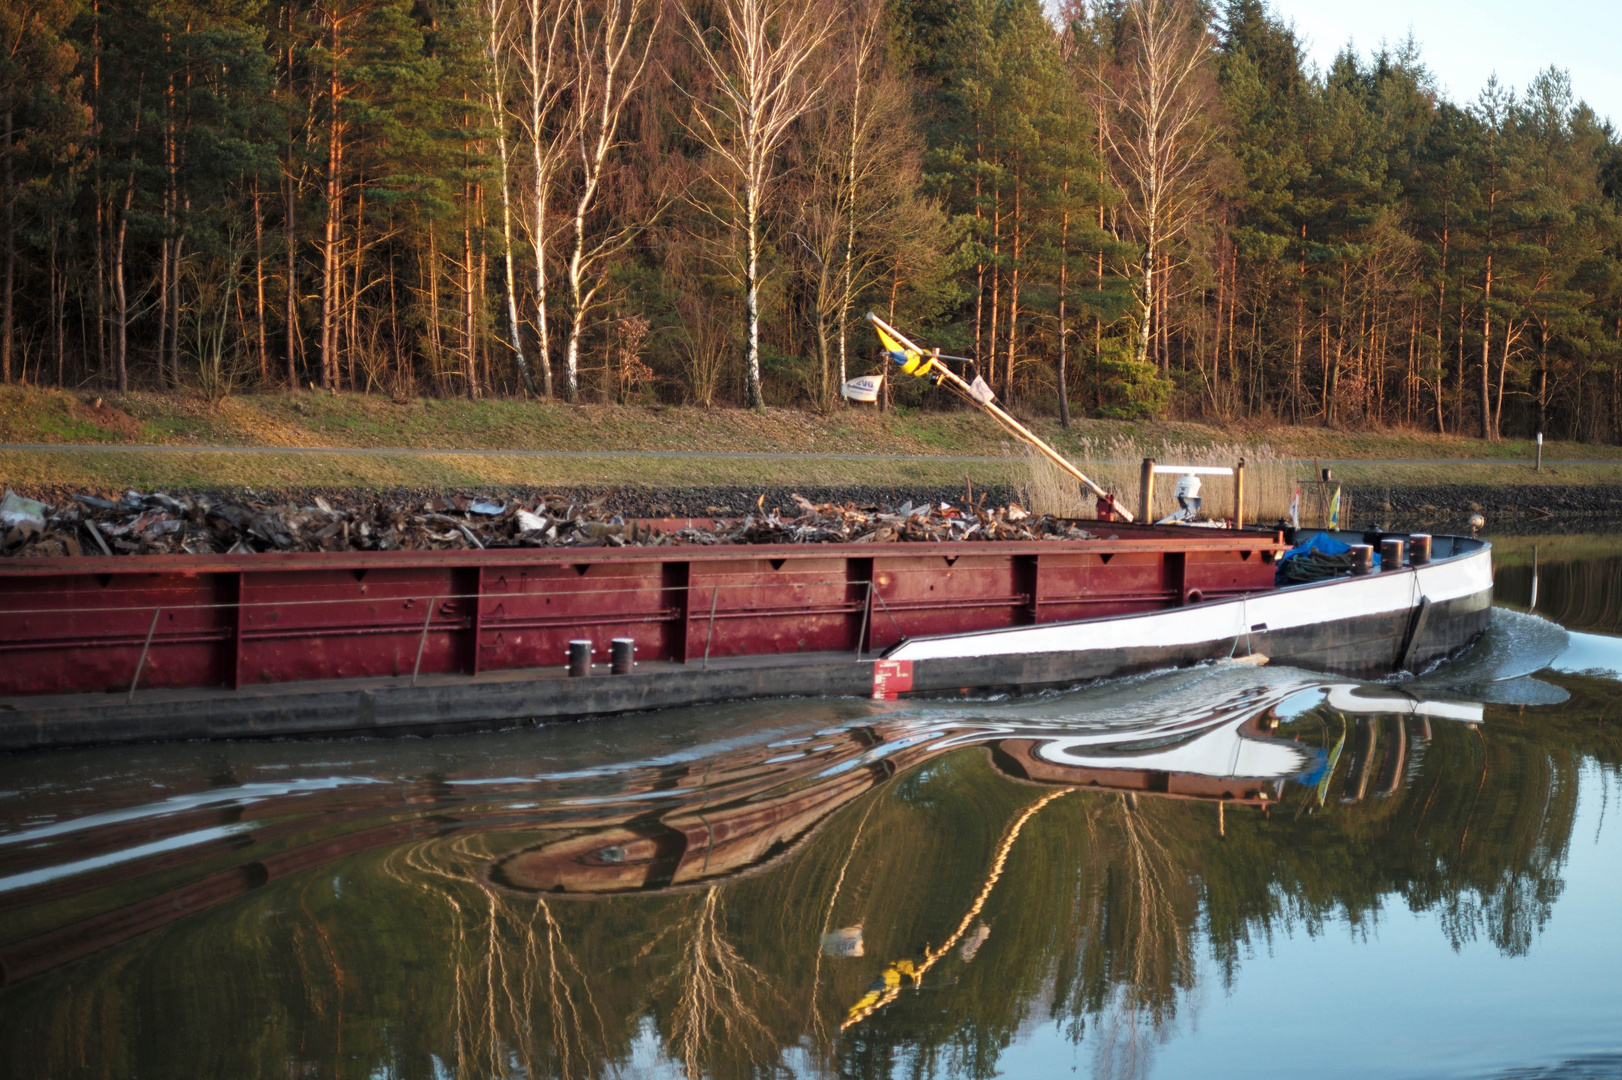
[(611, 47), (865, 46), (469, 313), (331, 228), (1064, 278), (545, 32), (121, 305), (430, 276), (8, 272), (1159, 134), (759, 66), (259, 284), (498, 20), (1015, 269)]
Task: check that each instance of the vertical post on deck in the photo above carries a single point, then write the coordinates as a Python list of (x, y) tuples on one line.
[(239, 620), (478, 615), (867, 612), (1239, 494), (715, 596), (423, 640), (1146, 492), (141, 663)]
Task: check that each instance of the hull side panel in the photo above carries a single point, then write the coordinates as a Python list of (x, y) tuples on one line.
[(1364, 645)]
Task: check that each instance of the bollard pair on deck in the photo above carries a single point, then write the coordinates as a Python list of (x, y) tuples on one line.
[(623, 653), (1419, 553)]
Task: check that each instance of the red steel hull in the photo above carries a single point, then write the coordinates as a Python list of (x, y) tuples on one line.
[(109, 624)]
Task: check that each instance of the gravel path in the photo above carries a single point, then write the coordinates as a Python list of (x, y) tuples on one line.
[(416, 451)]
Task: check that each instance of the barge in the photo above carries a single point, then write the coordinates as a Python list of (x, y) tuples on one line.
[(264, 644), (97, 650)]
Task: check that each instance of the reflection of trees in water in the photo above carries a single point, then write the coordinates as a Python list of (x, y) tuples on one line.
[(716, 992), (1477, 837), (1146, 909), (1509, 850), (521, 997), (1579, 594), (899, 974), (522, 1000), (1096, 915), (1097, 919)]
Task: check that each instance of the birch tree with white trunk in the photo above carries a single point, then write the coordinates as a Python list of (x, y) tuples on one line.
[(860, 194), (758, 57), (542, 54), (611, 41), (499, 20), (1160, 134), (864, 160)]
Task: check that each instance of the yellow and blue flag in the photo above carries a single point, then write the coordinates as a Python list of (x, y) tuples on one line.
[(907, 358), (1334, 510)]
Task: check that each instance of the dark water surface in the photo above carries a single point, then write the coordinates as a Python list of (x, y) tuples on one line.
[(1209, 873)]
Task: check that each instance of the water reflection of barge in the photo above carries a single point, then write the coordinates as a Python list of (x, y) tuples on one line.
[(668, 829), (96, 650)]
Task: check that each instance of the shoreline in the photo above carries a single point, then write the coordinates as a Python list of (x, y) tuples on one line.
[(1559, 507)]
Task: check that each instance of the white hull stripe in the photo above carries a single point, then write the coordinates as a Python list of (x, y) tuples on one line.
[(1225, 620)]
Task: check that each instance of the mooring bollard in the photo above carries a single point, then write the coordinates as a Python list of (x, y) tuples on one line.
[(623, 655), (1391, 553), (1362, 558), (579, 658), (1419, 549)]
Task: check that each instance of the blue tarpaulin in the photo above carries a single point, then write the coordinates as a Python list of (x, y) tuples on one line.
[(1322, 542), (1322, 545)]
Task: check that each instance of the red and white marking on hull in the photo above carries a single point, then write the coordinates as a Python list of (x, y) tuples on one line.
[(891, 677)]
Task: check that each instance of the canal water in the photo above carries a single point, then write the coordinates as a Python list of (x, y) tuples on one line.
[(1193, 874)]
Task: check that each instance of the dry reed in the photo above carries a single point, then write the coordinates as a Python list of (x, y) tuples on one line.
[(1115, 464)]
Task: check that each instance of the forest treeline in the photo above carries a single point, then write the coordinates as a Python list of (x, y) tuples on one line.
[(1126, 208)]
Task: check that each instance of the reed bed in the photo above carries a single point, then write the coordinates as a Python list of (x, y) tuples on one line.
[(1115, 464)]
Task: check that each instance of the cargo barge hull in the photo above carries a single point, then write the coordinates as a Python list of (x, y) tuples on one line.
[(96, 651)]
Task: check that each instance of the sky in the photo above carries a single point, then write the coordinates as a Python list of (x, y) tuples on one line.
[(1462, 42)]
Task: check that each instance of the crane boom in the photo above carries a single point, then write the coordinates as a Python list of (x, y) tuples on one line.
[(920, 364)]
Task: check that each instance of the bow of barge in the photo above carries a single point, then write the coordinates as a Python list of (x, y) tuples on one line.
[(123, 649)]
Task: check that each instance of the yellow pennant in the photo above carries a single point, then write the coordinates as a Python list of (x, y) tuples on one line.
[(908, 358)]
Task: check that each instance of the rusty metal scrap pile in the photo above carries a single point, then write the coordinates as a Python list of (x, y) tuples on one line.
[(823, 523), (159, 524)]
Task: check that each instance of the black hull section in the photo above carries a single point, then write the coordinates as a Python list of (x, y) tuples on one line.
[(1368, 647)]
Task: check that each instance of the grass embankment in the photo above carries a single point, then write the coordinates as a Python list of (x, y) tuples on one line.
[(586, 445)]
